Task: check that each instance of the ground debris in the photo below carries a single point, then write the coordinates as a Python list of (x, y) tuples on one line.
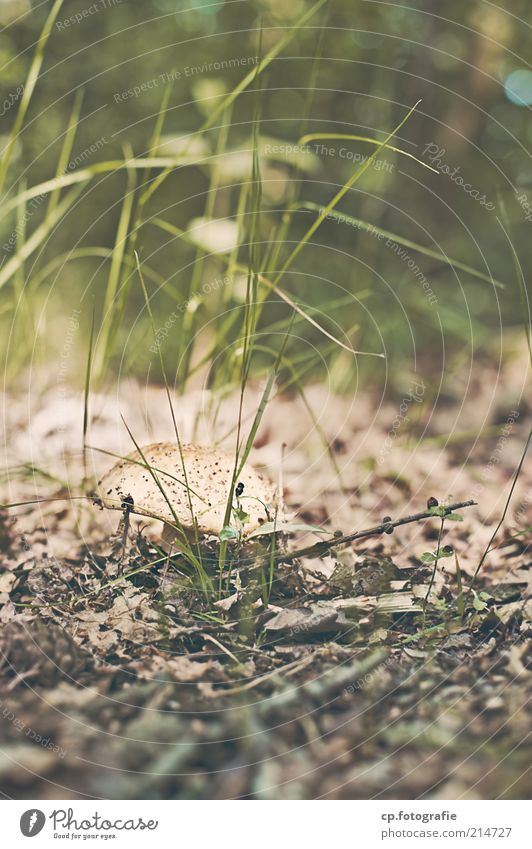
[(367, 672)]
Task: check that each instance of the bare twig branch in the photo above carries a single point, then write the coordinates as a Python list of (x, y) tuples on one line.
[(321, 548)]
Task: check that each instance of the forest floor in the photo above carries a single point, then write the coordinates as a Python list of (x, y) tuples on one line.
[(119, 679)]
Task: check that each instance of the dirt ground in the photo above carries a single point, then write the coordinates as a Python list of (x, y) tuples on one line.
[(120, 679)]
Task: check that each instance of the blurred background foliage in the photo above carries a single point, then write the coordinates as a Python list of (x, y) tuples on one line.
[(355, 67)]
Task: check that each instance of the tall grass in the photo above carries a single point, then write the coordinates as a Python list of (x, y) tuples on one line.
[(253, 334), (273, 237)]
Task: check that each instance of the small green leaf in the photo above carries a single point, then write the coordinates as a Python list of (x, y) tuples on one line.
[(485, 596), (454, 517), (286, 528), (478, 603), (227, 533), (438, 511), (437, 602), (241, 515), (428, 557)]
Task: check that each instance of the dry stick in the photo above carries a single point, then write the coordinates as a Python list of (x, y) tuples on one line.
[(321, 548), (503, 517)]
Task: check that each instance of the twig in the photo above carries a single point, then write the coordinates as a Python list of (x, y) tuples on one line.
[(221, 647), (319, 549)]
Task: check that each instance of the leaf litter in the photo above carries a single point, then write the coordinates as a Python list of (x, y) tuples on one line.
[(335, 680)]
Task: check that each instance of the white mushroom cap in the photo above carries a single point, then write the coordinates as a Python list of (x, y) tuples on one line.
[(209, 473)]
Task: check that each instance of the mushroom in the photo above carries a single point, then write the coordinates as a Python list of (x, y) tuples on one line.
[(151, 482)]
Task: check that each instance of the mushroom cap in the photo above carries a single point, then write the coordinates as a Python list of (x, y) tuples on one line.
[(209, 472)]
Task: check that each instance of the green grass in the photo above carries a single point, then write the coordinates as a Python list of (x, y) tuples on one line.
[(269, 236)]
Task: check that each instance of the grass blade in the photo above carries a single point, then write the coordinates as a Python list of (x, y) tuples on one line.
[(249, 78), (66, 149), (503, 517), (29, 87), (338, 197), (304, 140), (38, 236), (362, 225), (109, 318), (199, 560), (181, 234), (86, 392)]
